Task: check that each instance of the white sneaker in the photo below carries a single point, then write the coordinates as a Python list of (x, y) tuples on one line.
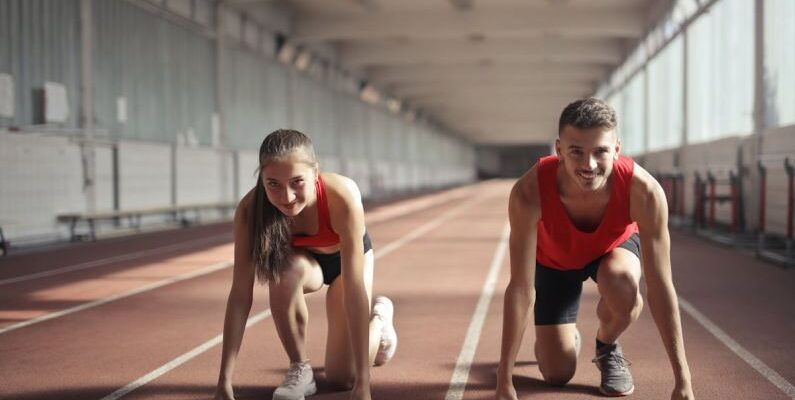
[(384, 309), (299, 382)]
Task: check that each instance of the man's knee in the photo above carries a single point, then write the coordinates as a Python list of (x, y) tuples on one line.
[(557, 376), (557, 367), (621, 284)]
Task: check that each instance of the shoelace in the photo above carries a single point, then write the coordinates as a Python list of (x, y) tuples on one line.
[(293, 375), (617, 358)]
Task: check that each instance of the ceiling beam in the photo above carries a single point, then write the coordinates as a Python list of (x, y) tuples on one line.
[(487, 92), (505, 100), (431, 52), (566, 20), (538, 72)]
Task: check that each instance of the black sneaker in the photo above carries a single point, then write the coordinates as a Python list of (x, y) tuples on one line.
[(616, 379)]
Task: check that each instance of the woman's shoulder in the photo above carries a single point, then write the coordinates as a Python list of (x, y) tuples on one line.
[(340, 188), (244, 205)]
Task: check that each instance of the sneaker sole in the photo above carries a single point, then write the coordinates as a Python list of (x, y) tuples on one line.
[(310, 390), (617, 394), (382, 358)]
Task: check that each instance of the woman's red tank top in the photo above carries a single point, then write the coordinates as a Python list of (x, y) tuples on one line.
[(325, 236), (560, 244)]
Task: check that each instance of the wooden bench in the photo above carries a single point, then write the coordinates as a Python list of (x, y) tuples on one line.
[(179, 213)]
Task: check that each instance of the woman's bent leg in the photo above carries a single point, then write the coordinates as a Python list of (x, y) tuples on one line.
[(288, 305), (340, 369)]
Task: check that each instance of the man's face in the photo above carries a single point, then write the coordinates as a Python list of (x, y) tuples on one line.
[(588, 155)]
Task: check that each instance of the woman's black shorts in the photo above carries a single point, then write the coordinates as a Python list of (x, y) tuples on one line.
[(331, 265), (558, 292)]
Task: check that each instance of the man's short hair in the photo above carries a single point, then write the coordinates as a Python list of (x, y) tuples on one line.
[(588, 113)]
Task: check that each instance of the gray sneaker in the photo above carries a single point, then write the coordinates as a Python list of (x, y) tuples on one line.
[(616, 379)]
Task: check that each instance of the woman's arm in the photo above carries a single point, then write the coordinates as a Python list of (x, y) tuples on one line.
[(347, 219), (238, 305)]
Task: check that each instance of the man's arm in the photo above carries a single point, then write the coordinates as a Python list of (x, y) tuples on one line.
[(649, 208), (524, 214)]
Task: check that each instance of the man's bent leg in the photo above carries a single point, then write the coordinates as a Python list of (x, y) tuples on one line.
[(556, 350), (557, 302), (618, 279)]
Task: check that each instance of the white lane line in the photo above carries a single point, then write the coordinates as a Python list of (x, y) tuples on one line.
[(425, 228), (218, 339), (190, 275), (392, 211), (108, 260), (180, 360), (744, 354), (458, 382)]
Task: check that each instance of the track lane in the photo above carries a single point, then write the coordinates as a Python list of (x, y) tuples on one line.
[(432, 295), (718, 373), (93, 353), (100, 350)]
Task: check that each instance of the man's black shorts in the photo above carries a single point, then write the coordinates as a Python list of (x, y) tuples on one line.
[(558, 292), (331, 264)]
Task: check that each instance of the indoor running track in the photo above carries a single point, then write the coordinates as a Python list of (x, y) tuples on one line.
[(140, 317)]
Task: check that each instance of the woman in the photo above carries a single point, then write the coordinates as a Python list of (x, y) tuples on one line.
[(297, 230)]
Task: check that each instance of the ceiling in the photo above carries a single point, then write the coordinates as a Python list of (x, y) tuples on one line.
[(494, 71)]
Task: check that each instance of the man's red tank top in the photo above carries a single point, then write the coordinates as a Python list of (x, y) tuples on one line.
[(325, 236), (560, 244)]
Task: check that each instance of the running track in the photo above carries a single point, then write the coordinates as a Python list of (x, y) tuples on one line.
[(140, 317)]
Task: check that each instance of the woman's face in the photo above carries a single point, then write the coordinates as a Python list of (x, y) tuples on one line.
[(290, 183)]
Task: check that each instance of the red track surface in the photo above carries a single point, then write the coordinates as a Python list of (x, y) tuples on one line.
[(435, 280)]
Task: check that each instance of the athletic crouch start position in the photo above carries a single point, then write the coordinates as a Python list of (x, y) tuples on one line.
[(586, 213), (297, 230)]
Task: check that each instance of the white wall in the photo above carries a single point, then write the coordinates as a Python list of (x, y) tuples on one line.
[(40, 177), (144, 175), (204, 176)]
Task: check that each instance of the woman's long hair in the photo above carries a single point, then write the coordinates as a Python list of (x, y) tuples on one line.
[(270, 229)]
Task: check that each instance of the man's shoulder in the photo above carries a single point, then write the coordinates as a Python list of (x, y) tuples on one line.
[(525, 191), (645, 191)]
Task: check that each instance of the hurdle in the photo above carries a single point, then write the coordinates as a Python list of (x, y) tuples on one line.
[(771, 246)]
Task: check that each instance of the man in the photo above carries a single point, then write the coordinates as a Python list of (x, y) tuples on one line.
[(585, 213)]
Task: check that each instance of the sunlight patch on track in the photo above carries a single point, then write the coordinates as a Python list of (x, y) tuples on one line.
[(190, 275), (114, 259)]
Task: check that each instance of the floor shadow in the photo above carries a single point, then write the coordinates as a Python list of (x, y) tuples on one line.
[(527, 384)]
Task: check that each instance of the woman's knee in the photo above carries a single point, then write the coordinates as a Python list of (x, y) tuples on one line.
[(293, 275), (340, 378)]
